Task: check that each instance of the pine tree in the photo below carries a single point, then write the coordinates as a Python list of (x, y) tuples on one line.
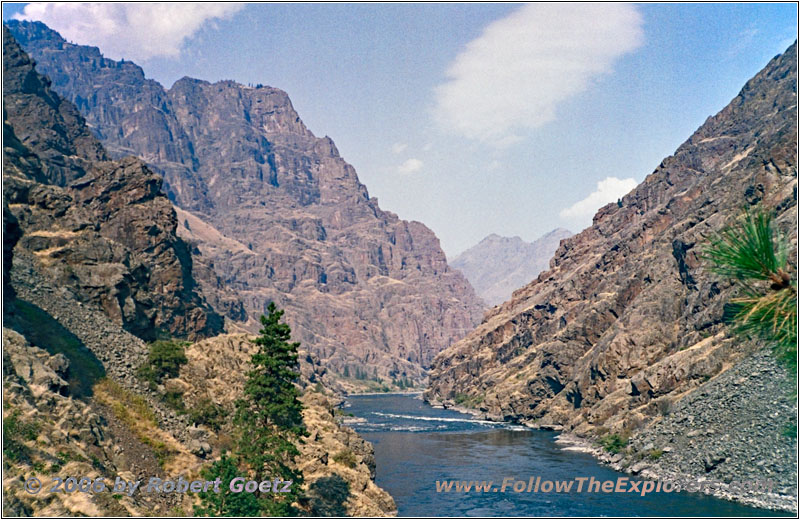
[(226, 503), (754, 255), (268, 417)]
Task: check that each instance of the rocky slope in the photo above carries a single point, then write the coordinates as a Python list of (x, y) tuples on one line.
[(49, 432), (628, 321), (276, 213), (331, 452), (100, 229), (90, 257), (497, 266), (108, 422)]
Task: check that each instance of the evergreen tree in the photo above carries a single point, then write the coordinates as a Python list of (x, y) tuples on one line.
[(754, 255), (226, 503), (268, 417)]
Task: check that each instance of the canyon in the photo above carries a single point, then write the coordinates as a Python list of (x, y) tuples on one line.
[(133, 213), (273, 213), (93, 269), (624, 336)]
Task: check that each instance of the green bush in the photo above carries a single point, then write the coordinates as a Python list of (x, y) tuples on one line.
[(208, 413), (468, 401), (163, 361), (614, 442), (15, 432), (655, 454), (328, 496), (346, 458), (174, 400)]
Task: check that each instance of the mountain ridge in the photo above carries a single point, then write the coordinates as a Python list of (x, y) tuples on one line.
[(92, 267), (627, 324), (363, 289), (101, 228), (497, 265)]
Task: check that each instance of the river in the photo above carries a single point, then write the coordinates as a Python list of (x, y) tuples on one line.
[(417, 445)]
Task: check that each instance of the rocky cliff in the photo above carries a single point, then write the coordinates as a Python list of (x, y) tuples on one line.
[(275, 212), (49, 431), (213, 373), (100, 229), (627, 323), (497, 266), (90, 258)]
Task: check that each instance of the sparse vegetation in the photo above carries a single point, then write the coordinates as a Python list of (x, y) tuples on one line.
[(614, 442), (346, 458), (163, 361), (174, 400), (133, 411), (64, 457), (664, 406), (360, 374), (208, 413), (15, 433), (468, 401), (655, 454), (755, 256), (329, 496), (128, 407), (403, 383)]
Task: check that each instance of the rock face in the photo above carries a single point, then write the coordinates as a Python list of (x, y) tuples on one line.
[(100, 229), (275, 212), (497, 266), (90, 250), (627, 320)]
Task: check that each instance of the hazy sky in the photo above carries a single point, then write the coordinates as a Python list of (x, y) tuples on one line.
[(472, 118)]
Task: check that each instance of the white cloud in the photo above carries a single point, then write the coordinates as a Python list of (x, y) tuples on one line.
[(136, 31), (514, 75), (410, 166), (608, 190), (398, 148)]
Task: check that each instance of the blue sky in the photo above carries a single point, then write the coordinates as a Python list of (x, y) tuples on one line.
[(472, 118)]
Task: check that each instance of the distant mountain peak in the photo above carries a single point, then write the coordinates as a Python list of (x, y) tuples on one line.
[(626, 329), (498, 265)]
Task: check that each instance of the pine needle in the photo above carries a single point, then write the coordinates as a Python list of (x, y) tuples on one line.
[(752, 253)]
